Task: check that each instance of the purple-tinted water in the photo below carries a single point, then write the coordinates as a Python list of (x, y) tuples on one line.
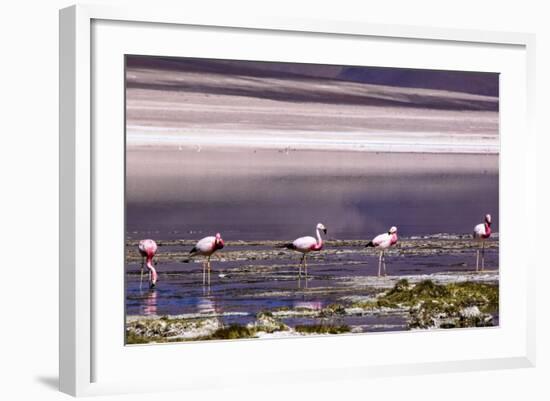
[(248, 287), (268, 195), (184, 195)]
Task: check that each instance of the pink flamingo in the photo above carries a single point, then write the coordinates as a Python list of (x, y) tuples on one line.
[(206, 247), (147, 249), (306, 245), (481, 233), (383, 242)]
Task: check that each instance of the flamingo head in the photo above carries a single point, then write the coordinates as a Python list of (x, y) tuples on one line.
[(322, 227), (147, 247), (141, 248), (219, 241), (392, 230), (488, 219)]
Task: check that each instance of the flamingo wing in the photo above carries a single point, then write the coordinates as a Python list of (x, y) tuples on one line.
[(381, 239), (205, 245), (304, 244), (479, 231)]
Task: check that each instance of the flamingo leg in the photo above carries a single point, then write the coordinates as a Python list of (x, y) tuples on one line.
[(482, 256), (141, 275), (209, 271), (305, 268), (477, 260), (300, 266), (379, 264), (204, 273), (384, 261)]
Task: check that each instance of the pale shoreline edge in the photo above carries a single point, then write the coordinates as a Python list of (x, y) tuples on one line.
[(178, 143)]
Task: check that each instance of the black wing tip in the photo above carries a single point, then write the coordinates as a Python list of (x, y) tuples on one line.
[(290, 245), (193, 251), (370, 244)]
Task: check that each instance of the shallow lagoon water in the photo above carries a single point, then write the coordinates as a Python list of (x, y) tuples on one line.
[(269, 195), (249, 286), (258, 199)]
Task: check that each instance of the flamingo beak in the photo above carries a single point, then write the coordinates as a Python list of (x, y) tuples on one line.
[(325, 230)]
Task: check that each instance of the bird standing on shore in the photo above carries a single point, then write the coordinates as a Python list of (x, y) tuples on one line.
[(305, 245), (206, 247), (147, 249), (383, 242), (481, 232)]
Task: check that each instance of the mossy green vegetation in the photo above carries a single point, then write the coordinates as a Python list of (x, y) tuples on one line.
[(168, 329), (265, 322), (133, 338), (333, 309), (444, 306), (464, 294), (432, 305), (323, 329), (232, 332), (403, 292), (485, 296)]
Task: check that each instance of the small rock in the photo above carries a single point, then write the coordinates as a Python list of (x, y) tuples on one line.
[(470, 312), (267, 323)]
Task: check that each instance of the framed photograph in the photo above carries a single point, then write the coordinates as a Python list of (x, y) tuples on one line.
[(241, 193)]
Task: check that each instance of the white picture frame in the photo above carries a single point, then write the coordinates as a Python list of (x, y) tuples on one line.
[(79, 162)]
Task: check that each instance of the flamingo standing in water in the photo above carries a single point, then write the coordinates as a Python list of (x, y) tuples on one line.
[(383, 242), (481, 232), (206, 247), (306, 245), (147, 249)]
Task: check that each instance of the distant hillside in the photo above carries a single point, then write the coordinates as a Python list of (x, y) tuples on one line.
[(479, 83), (236, 67)]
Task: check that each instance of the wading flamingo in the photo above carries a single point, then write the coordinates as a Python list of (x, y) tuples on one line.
[(481, 233), (306, 245), (383, 242), (206, 247), (147, 249)]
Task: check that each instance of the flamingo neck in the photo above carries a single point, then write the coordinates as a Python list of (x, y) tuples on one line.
[(319, 241), (153, 271), (487, 230)]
